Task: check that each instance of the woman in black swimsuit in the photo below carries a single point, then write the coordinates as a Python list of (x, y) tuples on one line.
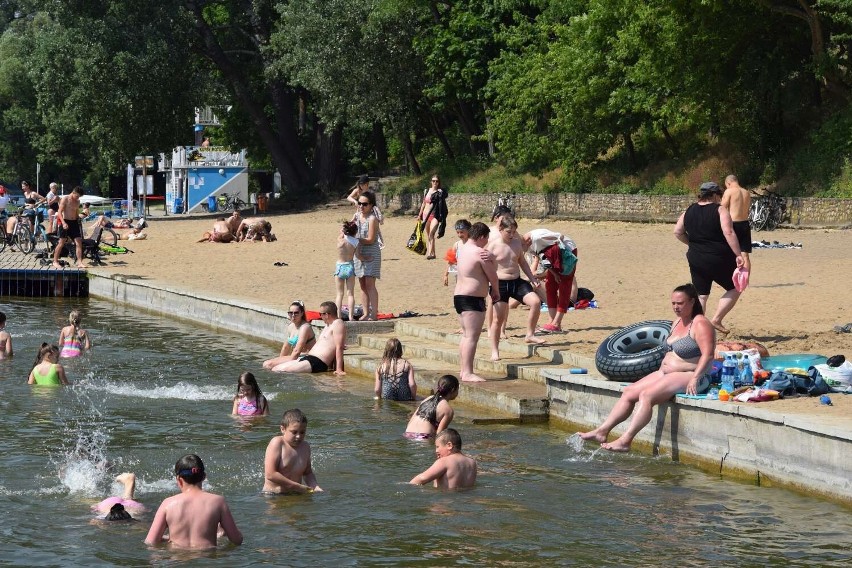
[(691, 347)]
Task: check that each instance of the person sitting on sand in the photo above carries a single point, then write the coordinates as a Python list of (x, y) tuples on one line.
[(287, 462), (327, 350), (300, 337), (690, 350), (509, 255), (120, 508), (234, 221), (221, 233), (434, 414), (452, 469), (193, 516)]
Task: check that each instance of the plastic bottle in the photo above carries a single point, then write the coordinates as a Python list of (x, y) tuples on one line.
[(729, 368), (746, 375)]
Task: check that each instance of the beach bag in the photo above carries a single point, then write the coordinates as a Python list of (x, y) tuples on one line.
[(569, 262), (417, 242)]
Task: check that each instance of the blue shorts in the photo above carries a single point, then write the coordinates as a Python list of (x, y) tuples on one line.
[(344, 270)]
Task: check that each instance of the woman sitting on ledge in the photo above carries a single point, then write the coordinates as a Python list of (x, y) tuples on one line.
[(690, 350)]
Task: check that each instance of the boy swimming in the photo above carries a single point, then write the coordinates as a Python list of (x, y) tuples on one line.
[(193, 516), (452, 469), (287, 463)]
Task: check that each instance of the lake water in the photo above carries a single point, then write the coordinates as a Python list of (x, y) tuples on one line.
[(154, 389)]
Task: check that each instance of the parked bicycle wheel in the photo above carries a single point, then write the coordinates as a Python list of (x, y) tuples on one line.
[(3, 240), (24, 238), (226, 205), (109, 237), (239, 204), (42, 243), (759, 215)]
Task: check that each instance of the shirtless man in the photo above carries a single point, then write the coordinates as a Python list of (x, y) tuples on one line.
[(509, 254), (328, 348), (193, 516), (5, 339), (68, 226), (737, 200), (452, 469), (494, 234), (221, 233), (475, 274), (234, 221), (287, 462)]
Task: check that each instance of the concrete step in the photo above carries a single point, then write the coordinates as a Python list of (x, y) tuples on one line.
[(511, 365), (526, 360), (500, 399)]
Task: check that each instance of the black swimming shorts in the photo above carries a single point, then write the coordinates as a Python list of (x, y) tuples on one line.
[(72, 232), (743, 231), (317, 365), (468, 304), (517, 289), (708, 268)]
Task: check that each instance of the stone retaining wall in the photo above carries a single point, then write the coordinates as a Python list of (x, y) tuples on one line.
[(802, 212)]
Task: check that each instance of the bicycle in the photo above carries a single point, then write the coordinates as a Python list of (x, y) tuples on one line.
[(21, 237), (230, 202), (767, 211), (504, 200)]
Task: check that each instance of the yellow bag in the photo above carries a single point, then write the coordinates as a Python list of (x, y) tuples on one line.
[(417, 241)]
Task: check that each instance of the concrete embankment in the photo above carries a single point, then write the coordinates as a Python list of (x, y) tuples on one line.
[(752, 442)]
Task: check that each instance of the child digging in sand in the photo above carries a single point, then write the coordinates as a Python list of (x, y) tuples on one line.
[(344, 270), (287, 463), (452, 469)]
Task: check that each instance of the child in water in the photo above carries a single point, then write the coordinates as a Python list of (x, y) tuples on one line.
[(46, 370), (452, 469), (434, 414), (395, 375), (249, 401), (116, 508), (287, 463), (6, 350), (344, 270), (72, 339), (193, 516)]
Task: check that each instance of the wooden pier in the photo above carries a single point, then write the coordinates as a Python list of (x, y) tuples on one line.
[(31, 275)]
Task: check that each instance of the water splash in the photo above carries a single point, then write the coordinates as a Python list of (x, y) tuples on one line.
[(577, 445), (178, 391)]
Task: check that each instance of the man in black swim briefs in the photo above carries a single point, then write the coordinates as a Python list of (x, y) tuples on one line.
[(476, 271), (327, 349)]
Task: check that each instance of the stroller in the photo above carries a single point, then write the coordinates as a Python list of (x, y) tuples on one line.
[(91, 248)]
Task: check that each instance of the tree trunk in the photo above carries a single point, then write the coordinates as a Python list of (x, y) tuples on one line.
[(670, 141), (327, 150), (409, 154), (439, 133), (380, 144), (295, 175), (469, 126), (631, 152)]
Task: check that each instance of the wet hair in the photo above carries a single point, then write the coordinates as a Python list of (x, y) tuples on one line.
[(330, 307), (393, 352), (74, 318), (118, 513), (190, 468), (452, 436), (2, 318), (479, 230), (429, 407), (294, 415), (507, 222), (691, 293), (350, 228), (462, 225), (500, 211), (248, 380), (371, 197), (45, 350)]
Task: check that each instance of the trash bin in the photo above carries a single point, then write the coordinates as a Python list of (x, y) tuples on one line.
[(262, 201), (211, 203), (178, 205)]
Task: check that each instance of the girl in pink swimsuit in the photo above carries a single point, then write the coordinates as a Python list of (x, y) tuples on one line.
[(249, 401)]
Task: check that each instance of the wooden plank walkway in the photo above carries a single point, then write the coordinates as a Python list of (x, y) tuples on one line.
[(32, 275)]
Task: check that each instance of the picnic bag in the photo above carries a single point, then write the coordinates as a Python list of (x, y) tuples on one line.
[(417, 242)]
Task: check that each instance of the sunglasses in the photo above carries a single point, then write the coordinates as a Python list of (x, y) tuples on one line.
[(323, 313), (293, 313), (435, 180), (363, 203)]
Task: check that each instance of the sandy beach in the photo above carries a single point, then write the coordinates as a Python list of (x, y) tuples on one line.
[(795, 297)]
